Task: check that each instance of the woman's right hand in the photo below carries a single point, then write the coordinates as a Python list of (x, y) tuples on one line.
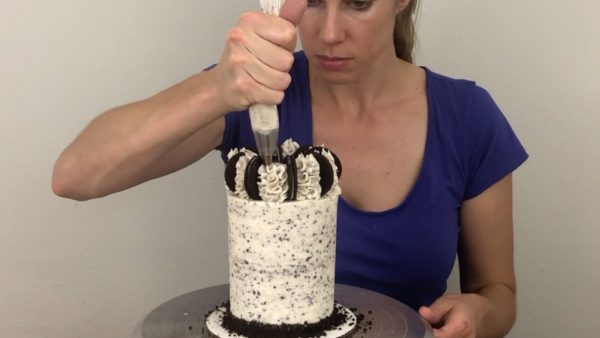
[(131, 144), (258, 54)]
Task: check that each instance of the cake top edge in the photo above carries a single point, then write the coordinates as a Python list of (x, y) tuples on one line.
[(297, 173)]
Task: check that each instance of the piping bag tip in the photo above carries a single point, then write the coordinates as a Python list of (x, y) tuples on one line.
[(266, 142), (264, 120)]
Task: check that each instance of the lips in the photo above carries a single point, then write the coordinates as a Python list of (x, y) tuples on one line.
[(332, 63)]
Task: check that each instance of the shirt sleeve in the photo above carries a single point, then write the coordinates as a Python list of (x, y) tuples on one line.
[(494, 149), (234, 123), (228, 136)]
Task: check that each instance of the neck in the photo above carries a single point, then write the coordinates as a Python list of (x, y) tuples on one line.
[(378, 85)]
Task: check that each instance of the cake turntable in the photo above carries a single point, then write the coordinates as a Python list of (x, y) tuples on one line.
[(383, 316)]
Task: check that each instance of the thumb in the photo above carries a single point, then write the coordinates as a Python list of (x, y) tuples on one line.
[(292, 10), (437, 311), (426, 313)]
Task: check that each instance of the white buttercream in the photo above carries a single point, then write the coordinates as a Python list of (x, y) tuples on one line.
[(271, 6), (308, 178), (264, 117), (331, 160), (289, 147), (240, 169), (282, 259), (272, 182), (282, 253), (232, 153)]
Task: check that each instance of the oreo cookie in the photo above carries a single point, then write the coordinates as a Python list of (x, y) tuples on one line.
[(302, 150), (325, 173), (325, 168), (231, 170), (292, 178), (308, 149), (251, 177), (336, 160)]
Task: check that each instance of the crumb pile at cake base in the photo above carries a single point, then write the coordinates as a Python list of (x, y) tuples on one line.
[(282, 238), (340, 324)]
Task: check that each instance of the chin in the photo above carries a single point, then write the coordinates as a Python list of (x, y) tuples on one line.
[(338, 78)]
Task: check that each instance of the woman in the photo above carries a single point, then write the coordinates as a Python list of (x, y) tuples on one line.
[(427, 159)]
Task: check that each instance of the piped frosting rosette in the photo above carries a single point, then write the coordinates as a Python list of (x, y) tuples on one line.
[(299, 173)]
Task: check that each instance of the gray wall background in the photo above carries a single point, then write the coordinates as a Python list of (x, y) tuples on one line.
[(95, 269)]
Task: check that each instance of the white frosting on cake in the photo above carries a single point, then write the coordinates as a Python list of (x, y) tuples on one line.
[(282, 259), (240, 168), (273, 180), (272, 183), (282, 253), (289, 147), (308, 178)]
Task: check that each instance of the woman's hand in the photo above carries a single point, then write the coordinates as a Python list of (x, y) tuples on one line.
[(254, 67), (456, 315)]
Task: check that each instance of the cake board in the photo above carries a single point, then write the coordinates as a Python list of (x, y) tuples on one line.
[(384, 317)]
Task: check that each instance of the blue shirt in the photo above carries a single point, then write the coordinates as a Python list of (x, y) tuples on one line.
[(408, 252)]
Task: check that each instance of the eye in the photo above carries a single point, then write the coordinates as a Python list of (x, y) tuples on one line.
[(359, 5), (314, 3)]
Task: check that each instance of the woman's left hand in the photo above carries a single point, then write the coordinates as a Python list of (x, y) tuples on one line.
[(456, 315)]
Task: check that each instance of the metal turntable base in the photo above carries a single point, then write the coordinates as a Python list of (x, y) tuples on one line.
[(384, 317)]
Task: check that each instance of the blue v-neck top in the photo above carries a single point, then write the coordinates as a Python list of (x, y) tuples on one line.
[(408, 252)]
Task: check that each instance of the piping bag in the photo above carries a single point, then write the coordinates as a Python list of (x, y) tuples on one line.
[(264, 118)]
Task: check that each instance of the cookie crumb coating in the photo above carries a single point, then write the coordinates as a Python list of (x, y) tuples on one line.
[(282, 259)]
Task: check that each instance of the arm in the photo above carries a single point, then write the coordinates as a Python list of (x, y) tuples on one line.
[(143, 140), (487, 306), (151, 138), (486, 255)]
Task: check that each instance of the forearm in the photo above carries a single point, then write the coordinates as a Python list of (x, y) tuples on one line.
[(119, 148), (501, 313), (153, 137)]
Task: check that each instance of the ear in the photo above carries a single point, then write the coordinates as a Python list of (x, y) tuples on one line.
[(401, 5)]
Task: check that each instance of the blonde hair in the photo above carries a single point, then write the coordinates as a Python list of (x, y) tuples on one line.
[(405, 31)]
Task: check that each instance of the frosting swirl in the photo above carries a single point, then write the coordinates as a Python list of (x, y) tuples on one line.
[(272, 182), (308, 178), (289, 147), (304, 173), (240, 169)]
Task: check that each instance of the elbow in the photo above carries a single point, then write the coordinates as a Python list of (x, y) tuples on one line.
[(62, 188), (67, 183)]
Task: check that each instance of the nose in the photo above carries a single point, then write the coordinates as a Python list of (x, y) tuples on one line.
[(332, 31)]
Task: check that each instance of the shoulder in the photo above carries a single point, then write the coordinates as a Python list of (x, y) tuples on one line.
[(456, 91), (470, 121), (461, 99)]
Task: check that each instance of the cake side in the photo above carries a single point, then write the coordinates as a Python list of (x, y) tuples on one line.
[(282, 259), (282, 232)]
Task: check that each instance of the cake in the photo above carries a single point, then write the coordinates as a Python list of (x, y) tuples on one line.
[(282, 233)]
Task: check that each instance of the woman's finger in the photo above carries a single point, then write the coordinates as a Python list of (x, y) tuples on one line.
[(292, 11), (455, 326), (269, 27), (436, 312), (274, 56)]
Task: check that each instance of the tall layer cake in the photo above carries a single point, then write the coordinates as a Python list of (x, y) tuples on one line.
[(282, 232), (281, 258)]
